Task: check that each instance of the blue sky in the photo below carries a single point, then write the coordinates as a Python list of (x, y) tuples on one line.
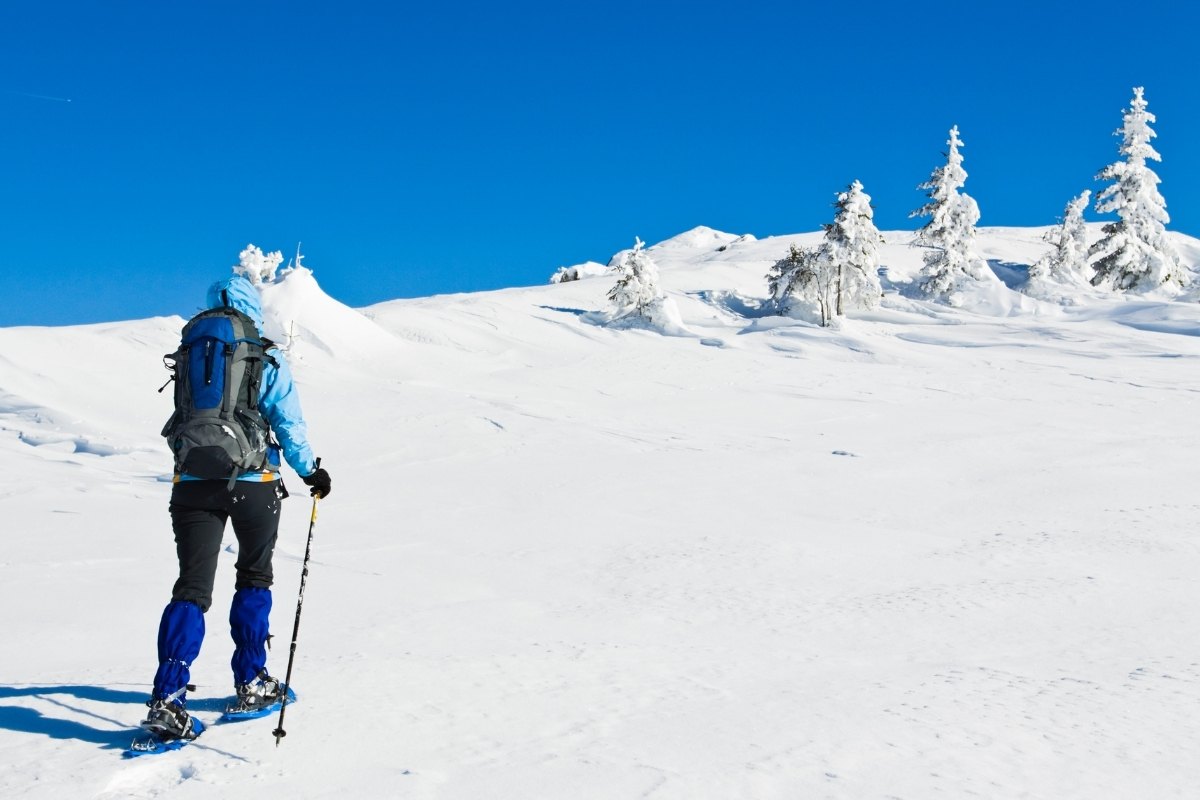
[(422, 148)]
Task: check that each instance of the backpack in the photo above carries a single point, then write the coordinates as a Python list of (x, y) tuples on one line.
[(217, 431)]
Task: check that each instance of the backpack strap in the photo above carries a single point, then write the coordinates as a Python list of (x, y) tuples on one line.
[(229, 388), (268, 345)]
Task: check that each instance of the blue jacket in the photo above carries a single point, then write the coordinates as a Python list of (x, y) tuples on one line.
[(277, 399)]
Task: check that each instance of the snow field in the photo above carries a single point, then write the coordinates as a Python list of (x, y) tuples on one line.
[(929, 552)]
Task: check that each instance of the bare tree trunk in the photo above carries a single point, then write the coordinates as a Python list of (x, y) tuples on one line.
[(839, 291)]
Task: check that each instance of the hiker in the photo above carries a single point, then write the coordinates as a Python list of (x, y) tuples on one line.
[(224, 361)]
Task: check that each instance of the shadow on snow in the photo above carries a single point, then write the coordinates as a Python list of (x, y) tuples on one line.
[(1014, 276), (113, 734), (562, 310)]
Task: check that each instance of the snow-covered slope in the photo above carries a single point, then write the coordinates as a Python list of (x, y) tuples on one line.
[(297, 311), (932, 552)]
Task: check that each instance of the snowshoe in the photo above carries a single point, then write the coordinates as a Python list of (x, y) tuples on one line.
[(258, 698), (169, 727), (169, 720)]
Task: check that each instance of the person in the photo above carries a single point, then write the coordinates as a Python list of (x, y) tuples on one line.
[(199, 510)]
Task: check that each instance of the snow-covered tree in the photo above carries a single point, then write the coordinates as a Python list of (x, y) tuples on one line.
[(805, 275), (839, 273), (257, 266), (638, 300), (782, 277), (1134, 254), (1067, 263), (852, 250), (950, 233), (637, 283)]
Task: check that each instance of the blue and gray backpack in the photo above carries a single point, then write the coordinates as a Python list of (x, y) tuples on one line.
[(217, 431)]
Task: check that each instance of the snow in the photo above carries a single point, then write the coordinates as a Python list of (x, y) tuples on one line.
[(296, 309), (934, 551), (588, 269)]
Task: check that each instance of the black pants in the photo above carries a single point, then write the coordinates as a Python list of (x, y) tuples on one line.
[(199, 511)]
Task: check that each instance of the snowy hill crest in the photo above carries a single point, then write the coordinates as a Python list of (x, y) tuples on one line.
[(299, 314)]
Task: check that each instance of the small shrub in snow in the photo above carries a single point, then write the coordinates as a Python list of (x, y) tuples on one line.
[(258, 267), (1134, 254), (950, 233)]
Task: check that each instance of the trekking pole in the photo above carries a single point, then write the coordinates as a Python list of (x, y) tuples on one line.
[(287, 681)]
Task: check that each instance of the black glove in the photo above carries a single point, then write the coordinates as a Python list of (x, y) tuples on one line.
[(319, 481)]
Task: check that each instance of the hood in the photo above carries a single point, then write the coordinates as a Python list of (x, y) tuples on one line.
[(237, 292)]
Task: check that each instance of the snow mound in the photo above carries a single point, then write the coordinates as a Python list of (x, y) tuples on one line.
[(588, 269), (1189, 252), (699, 238), (683, 246), (745, 238), (82, 406), (299, 315), (661, 316), (988, 297)]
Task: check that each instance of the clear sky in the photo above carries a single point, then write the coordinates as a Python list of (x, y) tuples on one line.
[(426, 147)]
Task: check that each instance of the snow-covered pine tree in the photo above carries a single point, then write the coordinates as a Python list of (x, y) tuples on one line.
[(638, 299), (1134, 254), (257, 266), (781, 279), (951, 230), (637, 289), (852, 251), (1067, 263)]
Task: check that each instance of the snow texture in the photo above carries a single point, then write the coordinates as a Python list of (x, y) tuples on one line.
[(935, 552)]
